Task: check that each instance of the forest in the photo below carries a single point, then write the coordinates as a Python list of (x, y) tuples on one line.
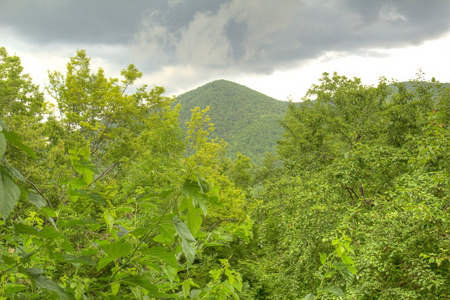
[(105, 195), (247, 120)]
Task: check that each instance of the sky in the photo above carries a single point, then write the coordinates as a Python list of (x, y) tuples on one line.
[(277, 47)]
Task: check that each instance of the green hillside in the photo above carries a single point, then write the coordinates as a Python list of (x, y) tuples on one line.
[(246, 119)]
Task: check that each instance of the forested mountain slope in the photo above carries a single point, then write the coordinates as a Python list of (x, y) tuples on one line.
[(247, 120)]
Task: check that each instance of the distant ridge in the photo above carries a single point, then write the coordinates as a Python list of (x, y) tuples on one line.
[(246, 119)]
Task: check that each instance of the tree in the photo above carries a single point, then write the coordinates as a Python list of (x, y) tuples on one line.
[(124, 209), (369, 163)]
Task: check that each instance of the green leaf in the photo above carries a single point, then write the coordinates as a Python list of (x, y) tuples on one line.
[(164, 254), (117, 249), (193, 217), (182, 229), (192, 190), (188, 251), (14, 139), (140, 231), (65, 224), (204, 187), (3, 126), (167, 228), (8, 260), (25, 229), (171, 272), (142, 281), (84, 260), (49, 232), (103, 262), (12, 171), (346, 259), (186, 238), (309, 297), (2, 145), (36, 200), (334, 290), (42, 282), (96, 197), (9, 194), (347, 274), (87, 169), (14, 289)]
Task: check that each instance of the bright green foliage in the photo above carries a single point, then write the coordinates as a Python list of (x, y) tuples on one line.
[(118, 206), (371, 163), (18, 95), (106, 199)]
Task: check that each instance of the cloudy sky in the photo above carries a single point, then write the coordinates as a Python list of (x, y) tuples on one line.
[(277, 47)]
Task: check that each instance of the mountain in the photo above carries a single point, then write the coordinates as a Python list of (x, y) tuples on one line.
[(246, 119)]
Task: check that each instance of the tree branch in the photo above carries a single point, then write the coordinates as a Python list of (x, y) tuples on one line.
[(104, 173), (39, 192)]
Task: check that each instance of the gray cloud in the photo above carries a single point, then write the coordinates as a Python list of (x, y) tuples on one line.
[(256, 36)]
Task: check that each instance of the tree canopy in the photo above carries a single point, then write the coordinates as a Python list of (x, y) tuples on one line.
[(104, 195)]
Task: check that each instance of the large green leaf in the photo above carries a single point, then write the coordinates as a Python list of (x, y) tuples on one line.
[(96, 197), (182, 230), (78, 259), (25, 229), (42, 282), (36, 200), (204, 186), (117, 249), (87, 169), (12, 171), (142, 281), (48, 232), (2, 145), (186, 238), (3, 126), (188, 251), (9, 194), (167, 228), (309, 297), (164, 254), (334, 290), (192, 190), (193, 217), (14, 139)]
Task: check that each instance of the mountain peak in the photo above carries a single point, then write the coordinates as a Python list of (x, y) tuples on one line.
[(246, 119)]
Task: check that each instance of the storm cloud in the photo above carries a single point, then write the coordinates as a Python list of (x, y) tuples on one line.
[(257, 36)]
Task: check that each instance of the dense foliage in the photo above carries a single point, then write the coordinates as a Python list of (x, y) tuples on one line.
[(367, 167), (247, 120), (103, 195)]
